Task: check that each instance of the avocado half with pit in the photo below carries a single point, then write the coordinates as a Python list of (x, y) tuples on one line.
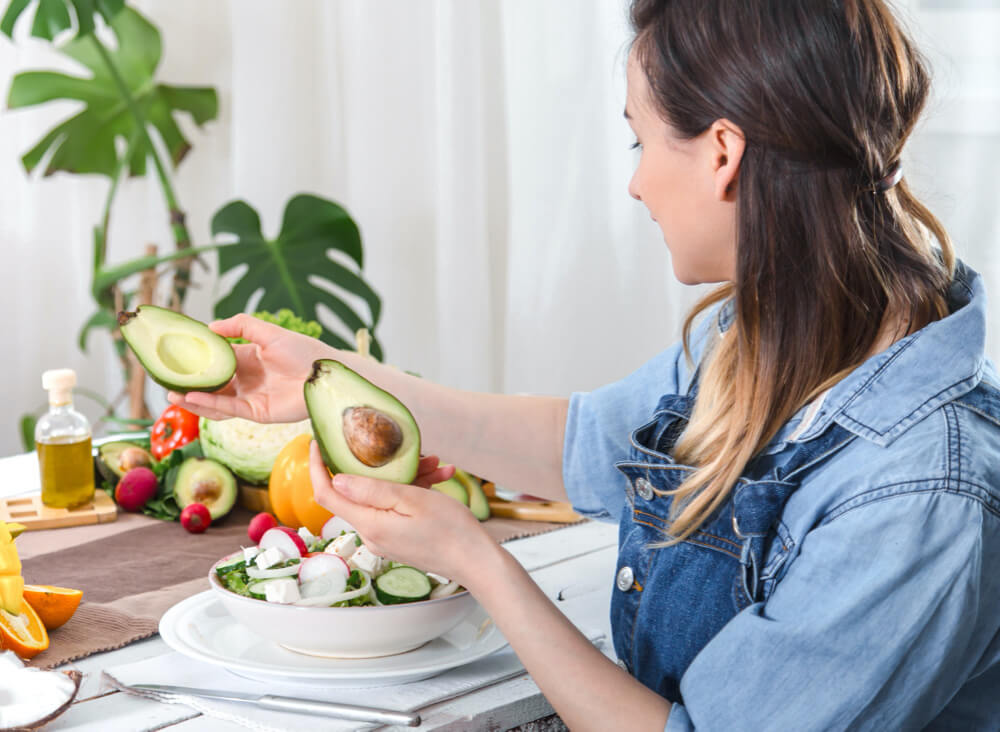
[(360, 428), (114, 459), (179, 353), (205, 481)]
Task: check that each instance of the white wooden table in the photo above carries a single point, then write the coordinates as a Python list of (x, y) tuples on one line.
[(573, 565)]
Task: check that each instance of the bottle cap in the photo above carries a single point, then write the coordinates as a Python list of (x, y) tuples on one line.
[(59, 383)]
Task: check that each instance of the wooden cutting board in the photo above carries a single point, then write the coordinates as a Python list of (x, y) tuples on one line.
[(30, 511)]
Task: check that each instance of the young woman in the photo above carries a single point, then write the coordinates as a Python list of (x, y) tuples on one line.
[(808, 491)]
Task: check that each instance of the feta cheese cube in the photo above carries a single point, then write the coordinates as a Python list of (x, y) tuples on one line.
[(365, 559), (284, 591), (306, 535), (249, 552), (343, 546), (269, 557)]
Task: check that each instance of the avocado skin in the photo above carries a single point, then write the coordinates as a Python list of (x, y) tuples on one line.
[(401, 469), (454, 488), (184, 485), (151, 367), (107, 459), (478, 503)]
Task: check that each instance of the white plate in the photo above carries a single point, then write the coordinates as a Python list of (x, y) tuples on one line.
[(201, 628)]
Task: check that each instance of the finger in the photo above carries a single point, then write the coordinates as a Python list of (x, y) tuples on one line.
[(179, 400), (217, 405), (255, 330), (330, 499), (439, 475)]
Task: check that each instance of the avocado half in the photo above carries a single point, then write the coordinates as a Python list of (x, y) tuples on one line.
[(114, 459), (205, 481), (360, 429), (179, 353)]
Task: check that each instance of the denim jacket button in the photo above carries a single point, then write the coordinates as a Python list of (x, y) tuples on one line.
[(645, 489), (625, 579)]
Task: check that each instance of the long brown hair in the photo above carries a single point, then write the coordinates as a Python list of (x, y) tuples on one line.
[(826, 93)]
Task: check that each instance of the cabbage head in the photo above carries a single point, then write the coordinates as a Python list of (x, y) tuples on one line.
[(247, 448)]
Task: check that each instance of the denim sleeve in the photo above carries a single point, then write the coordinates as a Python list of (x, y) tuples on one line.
[(598, 426), (869, 629)]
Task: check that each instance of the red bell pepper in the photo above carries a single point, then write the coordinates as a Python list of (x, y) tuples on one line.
[(175, 428)]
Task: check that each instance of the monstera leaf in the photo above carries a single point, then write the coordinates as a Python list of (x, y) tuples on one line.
[(296, 269), (85, 143), (54, 16)]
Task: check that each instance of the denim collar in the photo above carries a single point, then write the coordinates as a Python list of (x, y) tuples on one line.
[(893, 390)]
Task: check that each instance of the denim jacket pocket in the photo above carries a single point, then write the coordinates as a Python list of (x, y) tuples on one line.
[(781, 549)]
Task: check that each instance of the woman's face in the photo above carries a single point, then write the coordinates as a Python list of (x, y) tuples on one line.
[(678, 181)]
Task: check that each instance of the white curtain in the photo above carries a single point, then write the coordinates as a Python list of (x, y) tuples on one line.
[(480, 147)]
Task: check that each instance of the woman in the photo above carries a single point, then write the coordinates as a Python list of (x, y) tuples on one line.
[(808, 490)]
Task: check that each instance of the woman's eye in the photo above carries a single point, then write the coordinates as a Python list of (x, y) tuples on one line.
[(635, 145)]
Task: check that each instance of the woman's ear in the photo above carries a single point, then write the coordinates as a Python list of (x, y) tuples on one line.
[(727, 144)]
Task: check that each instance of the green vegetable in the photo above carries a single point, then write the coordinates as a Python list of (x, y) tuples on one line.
[(289, 320), (247, 448)]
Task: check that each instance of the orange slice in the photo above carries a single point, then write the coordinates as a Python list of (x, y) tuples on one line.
[(24, 633), (54, 605)]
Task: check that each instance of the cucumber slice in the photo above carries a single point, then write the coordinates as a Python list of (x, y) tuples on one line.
[(231, 566), (402, 584)]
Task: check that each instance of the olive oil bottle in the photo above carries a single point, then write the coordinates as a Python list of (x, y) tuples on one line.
[(62, 439)]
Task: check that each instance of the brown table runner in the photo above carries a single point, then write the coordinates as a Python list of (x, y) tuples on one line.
[(134, 569)]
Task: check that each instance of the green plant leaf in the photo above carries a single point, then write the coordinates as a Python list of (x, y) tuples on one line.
[(296, 270), (28, 422), (100, 319), (53, 16), (86, 142)]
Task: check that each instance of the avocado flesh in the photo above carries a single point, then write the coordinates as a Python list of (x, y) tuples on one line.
[(478, 503), (179, 353), (205, 481), (452, 487), (114, 459), (334, 392)]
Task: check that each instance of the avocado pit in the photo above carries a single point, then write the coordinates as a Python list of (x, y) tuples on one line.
[(373, 437), (133, 457)]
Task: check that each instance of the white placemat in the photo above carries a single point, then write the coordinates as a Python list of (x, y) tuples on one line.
[(20, 475), (176, 669)]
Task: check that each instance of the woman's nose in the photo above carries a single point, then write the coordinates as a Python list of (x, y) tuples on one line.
[(633, 186)]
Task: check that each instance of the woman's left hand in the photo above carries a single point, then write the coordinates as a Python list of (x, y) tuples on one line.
[(401, 522)]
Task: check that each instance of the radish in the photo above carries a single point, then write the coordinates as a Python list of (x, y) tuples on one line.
[(288, 543), (327, 590), (327, 584), (321, 565), (259, 524), (299, 541), (334, 526)]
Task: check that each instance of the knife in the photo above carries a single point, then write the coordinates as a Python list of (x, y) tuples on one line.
[(290, 704)]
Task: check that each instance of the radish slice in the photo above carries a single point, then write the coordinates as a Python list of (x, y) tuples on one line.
[(258, 573), (322, 564), (327, 584), (334, 526), (284, 541), (329, 598)]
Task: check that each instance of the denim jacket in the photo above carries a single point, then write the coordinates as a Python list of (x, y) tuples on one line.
[(852, 578)]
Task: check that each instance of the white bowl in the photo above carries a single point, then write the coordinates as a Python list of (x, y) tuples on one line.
[(346, 632)]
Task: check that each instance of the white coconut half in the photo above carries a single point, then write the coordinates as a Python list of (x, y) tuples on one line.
[(31, 698)]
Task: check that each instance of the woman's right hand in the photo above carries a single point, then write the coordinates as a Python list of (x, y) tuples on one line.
[(270, 372)]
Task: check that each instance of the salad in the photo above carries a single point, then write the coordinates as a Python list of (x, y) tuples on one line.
[(335, 569)]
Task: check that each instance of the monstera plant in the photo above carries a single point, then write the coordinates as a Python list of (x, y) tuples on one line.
[(127, 122)]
